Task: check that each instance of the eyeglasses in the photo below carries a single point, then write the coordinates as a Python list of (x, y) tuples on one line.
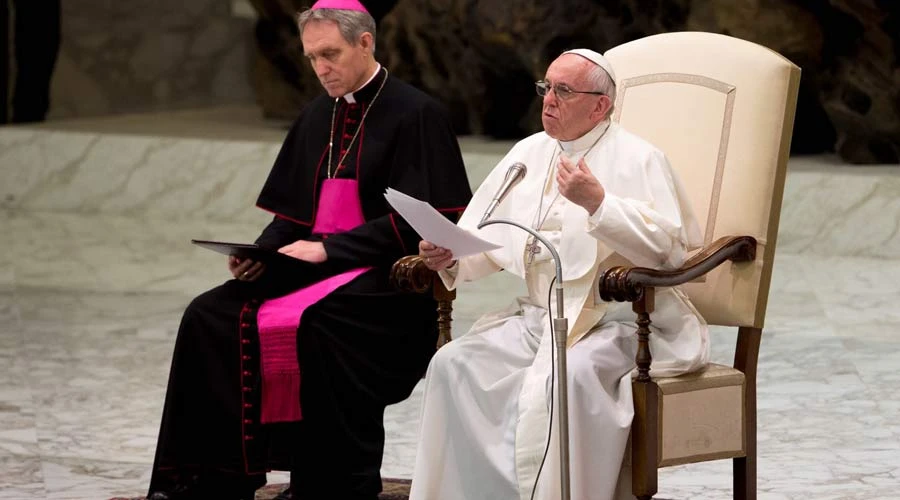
[(563, 92)]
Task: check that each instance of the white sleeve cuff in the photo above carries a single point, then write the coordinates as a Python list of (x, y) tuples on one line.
[(597, 220), (448, 276)]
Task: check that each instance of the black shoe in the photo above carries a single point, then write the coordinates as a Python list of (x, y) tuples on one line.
[(189, 491)]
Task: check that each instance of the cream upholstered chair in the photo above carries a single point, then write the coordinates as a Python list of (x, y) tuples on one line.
[(722, 110)]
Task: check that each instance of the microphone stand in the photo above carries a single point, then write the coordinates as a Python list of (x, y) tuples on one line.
[(560, 329)]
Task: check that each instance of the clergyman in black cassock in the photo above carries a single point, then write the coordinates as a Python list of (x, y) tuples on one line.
[(360, 348)]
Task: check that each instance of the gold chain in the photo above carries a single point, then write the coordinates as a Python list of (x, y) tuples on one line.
[(349, 146)]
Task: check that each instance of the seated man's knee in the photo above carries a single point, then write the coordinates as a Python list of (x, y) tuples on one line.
[(598, 365), (448, 358), (580, 365), (212, 303)]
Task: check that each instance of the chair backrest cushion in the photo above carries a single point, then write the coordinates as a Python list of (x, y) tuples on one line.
[(722, 110)]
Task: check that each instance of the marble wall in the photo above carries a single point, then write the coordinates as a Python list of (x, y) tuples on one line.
[(143, 55), (91, 173)]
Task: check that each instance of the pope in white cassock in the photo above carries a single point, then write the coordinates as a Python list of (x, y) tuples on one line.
[(603, 197)]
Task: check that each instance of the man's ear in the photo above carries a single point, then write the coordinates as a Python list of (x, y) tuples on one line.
[(366, 40), (604, 104)]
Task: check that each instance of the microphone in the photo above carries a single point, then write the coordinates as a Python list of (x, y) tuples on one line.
[(515, 174)]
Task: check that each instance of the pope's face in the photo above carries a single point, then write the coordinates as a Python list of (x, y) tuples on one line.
[(570, 118), (340, 66)]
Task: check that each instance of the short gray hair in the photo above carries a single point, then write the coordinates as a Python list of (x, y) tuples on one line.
[(351, 23), (600, 81)]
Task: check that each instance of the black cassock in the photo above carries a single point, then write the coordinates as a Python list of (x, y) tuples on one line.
[(361, 348)]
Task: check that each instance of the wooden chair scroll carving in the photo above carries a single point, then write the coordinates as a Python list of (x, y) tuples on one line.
[(626, 284)]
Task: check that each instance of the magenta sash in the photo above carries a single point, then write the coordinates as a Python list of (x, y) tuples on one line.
[(339, 207), (278, 319)]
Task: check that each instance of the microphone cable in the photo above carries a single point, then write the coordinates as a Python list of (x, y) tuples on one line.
[(552, 384)]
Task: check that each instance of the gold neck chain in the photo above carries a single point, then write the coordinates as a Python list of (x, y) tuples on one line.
[(350, 145)]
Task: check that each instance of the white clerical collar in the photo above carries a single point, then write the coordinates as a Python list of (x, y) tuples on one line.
[(587, 140), (349, 97)]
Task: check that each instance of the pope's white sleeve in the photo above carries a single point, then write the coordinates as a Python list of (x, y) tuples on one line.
[(648, 232), (468, 268)]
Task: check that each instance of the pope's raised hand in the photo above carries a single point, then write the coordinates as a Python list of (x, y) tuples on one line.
[(578, 185)]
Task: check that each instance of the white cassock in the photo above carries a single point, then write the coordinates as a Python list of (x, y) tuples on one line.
[(487, 403)]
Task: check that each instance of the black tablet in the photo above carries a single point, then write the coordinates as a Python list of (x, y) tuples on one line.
[(247, 251)]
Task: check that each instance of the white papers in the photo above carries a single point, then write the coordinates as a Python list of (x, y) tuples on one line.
[(434, 227)]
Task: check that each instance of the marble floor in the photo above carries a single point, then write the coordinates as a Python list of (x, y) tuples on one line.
[(90, 300)]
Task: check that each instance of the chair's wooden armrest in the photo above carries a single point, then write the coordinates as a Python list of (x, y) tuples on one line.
[(409, 274), (626, 284)]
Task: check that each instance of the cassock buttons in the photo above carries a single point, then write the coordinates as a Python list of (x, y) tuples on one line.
[(246, 358), (248, 405), (247, 389), (245, 341)]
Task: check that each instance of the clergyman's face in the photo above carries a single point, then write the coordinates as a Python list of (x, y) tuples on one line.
[(341, 67), (569, 119)]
